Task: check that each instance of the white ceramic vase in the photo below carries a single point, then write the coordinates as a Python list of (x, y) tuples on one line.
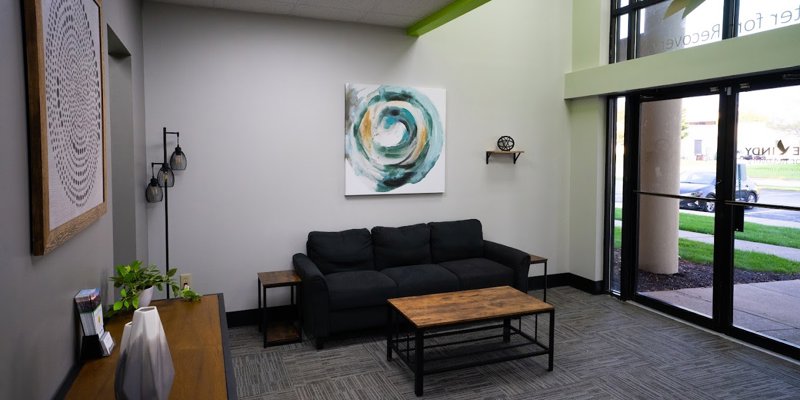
[(145, 296), (145, 368)]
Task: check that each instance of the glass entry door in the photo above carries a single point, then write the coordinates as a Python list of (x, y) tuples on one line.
[(711, 207), (766, 276), (677, 197)]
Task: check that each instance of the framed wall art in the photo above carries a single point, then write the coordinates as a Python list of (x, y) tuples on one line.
[(394, 139), (66, 118)]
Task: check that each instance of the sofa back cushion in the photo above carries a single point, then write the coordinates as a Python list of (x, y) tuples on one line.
[(349, 250), (406, 245), (456, 240)]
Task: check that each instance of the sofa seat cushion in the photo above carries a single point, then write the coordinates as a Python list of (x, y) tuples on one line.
[(477, 273), (353, 289), (415, 280)]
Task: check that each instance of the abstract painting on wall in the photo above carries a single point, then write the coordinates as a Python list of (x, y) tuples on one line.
[(66, 118), (394, 139)]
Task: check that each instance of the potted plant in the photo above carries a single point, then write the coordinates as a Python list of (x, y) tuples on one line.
[(137, 284)]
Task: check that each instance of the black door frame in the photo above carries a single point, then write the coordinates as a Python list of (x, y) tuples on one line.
[(722, 305)]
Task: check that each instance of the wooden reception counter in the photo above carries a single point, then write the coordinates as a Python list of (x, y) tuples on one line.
[(197, 334)]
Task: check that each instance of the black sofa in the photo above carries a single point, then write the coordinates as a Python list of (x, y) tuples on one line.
[(347, 276)]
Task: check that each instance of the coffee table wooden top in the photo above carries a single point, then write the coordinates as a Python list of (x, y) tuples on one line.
[(442, 309)]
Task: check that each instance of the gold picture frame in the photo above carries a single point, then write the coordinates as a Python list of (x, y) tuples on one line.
[(67, 117)]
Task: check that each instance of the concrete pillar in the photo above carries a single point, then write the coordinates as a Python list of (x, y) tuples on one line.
[(659, 158)]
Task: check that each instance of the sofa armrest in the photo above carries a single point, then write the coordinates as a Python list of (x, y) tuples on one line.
[(517, 260), (314, 292)]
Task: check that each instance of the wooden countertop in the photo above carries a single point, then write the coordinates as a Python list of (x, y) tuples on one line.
[(197, 334)]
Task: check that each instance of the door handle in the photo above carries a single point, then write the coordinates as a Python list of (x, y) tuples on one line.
[(738, 218)]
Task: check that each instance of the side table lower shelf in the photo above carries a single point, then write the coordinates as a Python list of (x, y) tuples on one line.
[(279, 332), (282, 332)]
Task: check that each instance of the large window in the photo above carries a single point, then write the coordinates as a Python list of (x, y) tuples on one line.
[(704, 205), (645, 27)]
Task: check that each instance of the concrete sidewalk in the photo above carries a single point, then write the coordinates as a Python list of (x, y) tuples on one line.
[(788, 253), (780, 251), (769, 308)]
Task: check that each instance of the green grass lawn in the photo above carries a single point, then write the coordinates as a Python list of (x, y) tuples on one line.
[(774, 171), (703, 253), (777, 235)]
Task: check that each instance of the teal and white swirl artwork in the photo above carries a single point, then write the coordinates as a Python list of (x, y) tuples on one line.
[(394, 139)]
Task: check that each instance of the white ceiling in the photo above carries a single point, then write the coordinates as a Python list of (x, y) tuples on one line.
[(394, 13)]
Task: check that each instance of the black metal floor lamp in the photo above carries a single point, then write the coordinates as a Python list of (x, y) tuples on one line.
[(165, 180)]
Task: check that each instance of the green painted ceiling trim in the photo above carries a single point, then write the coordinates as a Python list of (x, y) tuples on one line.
[(450, 12)]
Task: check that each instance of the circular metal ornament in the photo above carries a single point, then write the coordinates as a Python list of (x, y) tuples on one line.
[(505, 143)]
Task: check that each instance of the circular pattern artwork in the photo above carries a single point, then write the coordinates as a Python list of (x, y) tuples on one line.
[(73, 99), (505, 143), (394, 136)]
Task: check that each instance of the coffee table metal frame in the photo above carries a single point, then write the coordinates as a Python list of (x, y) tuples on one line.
[(414, 355)]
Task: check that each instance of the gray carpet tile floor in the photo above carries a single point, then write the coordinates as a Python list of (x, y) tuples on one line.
[(604, 349)]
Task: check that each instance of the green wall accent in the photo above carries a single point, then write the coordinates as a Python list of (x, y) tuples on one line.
[(450, 12), (590, 27), (765, 51)]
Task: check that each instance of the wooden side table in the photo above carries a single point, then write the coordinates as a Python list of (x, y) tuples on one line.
[(541, 260), (279, 332)]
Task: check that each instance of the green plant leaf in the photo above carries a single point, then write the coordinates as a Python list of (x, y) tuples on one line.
[(189, 295), (117, 305), (134, 278)]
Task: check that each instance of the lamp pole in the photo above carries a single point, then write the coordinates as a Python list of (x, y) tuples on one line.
[(166, 164), (166, 178)]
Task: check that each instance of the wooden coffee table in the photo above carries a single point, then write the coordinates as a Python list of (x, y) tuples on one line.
[(445, 311)]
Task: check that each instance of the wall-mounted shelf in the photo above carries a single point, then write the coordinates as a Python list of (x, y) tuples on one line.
[(513, 153)]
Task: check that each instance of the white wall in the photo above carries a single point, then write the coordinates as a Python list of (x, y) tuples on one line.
[(38, 338), (589, 48), (259, 102)]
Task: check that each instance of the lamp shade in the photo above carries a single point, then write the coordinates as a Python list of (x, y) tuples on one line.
[(178, 159), (153, 193), (166, 178)]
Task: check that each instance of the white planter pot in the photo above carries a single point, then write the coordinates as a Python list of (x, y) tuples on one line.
[(145, 369), (145, 296)]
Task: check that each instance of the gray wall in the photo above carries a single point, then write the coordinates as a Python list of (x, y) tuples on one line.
[(259, 103), (38, 335)]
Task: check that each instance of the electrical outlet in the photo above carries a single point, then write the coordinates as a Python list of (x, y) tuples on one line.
[(186, 281)]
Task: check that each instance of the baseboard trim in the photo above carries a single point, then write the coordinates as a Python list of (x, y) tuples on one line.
[(566, 279), (553, 280), (251, 317), (587, 285), (72, 374)]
